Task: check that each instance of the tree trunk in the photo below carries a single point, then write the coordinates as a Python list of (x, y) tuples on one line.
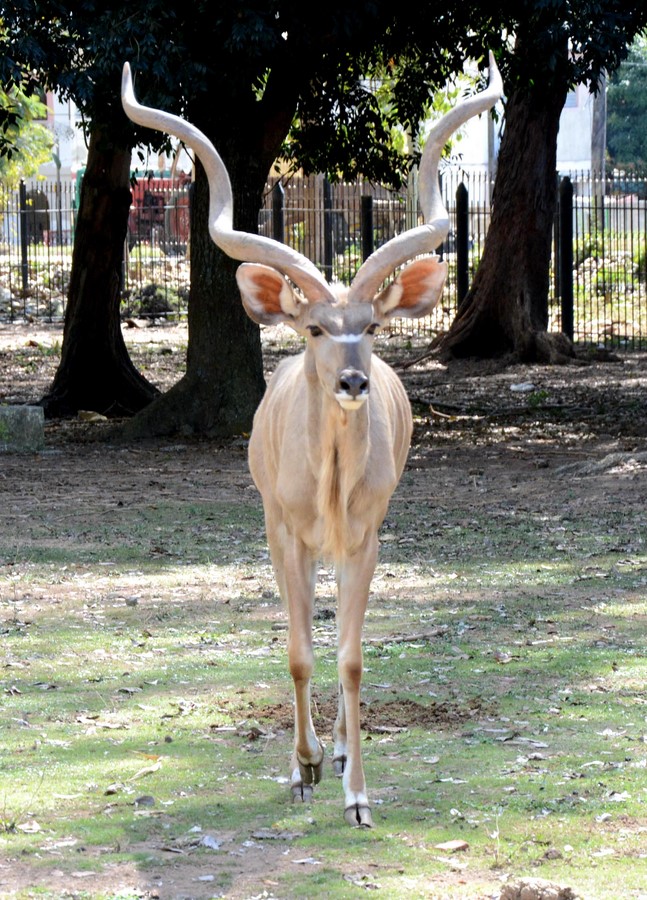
[(223, 383), (506, 310), (95, 371)]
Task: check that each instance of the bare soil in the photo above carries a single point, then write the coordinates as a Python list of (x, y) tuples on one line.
[(522, 430)]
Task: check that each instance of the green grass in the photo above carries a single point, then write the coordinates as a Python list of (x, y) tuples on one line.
[(144, 664)]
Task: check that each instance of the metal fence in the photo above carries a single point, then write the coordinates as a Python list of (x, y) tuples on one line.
[(336, 225)]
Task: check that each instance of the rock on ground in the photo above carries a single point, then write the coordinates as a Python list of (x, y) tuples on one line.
[(536, 889)]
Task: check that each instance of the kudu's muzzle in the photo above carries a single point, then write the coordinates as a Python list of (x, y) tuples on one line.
[(352, 388)]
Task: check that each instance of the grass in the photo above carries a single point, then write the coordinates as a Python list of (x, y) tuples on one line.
[(146, 702)]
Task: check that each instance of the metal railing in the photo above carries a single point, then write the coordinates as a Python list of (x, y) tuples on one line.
[(598, 281)]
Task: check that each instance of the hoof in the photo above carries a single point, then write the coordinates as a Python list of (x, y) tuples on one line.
[(338, 765), (311, 774), (302, 793), (359, 816)]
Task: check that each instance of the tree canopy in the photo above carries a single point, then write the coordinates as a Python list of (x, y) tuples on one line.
[(264, 69), (28, 142), (266, 74), (556, 46), (262, 50), (627, 110)]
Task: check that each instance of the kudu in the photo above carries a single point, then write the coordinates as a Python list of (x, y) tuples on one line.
[(331, 435)]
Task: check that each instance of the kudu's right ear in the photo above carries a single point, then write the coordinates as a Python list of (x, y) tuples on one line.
[(416, 290), (267, 297)]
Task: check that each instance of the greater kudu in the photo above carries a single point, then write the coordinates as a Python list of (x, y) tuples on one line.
[(331, 436)]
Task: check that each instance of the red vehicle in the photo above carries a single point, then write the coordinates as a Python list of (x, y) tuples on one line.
[(159, 212)]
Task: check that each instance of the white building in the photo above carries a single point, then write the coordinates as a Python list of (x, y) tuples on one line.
[(575, 138), (477, 148), (64, 121)]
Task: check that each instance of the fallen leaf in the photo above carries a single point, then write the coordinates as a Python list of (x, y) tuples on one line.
[(267, 834), (210, 842), (96, 723), (504, 658), (147, 770), (362, 881), (454, 846), (31, 827), (532, 741)]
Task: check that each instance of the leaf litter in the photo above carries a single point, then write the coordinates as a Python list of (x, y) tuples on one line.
[(558, 471)]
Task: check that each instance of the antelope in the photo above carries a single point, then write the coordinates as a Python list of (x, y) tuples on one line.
[(331, 436)]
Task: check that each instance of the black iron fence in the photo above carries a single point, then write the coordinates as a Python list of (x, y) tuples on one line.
[(598, 277)]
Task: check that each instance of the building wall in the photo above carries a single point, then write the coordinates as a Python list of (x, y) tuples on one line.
[(574, 138), (65, 122)]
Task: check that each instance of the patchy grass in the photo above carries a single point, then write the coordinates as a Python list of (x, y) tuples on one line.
[(146, 710), (146, 704)]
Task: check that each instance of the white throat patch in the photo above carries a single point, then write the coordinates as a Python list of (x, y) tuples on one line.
[(351, 403)]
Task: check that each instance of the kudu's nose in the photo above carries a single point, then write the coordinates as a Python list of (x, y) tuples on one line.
[(353, 383)]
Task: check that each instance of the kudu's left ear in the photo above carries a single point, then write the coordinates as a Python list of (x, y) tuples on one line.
[(267, 297), (416, 290)]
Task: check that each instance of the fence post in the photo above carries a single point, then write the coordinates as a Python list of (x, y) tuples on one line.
[(366, 226), (24, 236), (462, 242), (328, 228), (278, 212), (566, 254)]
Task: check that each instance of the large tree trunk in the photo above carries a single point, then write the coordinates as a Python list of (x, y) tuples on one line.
[(223, 382), (95, 371), (506, 310)]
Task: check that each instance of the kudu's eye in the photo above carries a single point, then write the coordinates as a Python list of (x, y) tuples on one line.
[(315, 331), (372, 328)]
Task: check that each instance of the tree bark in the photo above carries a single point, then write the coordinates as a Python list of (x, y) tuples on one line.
[(95, 371), (223, 382), (506, 310)]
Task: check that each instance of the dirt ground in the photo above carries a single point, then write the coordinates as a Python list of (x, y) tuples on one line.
[(523, 424), (518, 429)]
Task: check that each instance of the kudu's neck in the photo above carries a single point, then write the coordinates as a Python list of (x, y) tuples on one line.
[(329, 425), (338, 446)]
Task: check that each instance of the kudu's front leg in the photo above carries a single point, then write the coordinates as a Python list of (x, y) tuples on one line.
[(354, 577), (296, 570)]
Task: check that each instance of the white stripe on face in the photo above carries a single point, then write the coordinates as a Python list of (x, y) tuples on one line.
[(346, 338)]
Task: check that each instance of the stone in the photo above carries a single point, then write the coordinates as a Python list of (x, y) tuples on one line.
[(22, 429), (536, 889)]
